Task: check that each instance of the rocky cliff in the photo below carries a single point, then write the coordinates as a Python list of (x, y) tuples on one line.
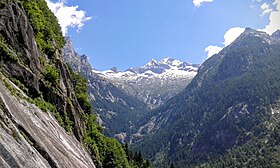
[(32, 76), (46, 119), (33, 138), (118, 112), (27, 63)]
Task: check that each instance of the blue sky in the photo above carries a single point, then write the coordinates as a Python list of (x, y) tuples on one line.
[(129, 33)]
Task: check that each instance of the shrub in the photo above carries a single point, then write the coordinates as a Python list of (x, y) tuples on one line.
[(51, 74), (6, 55), (47, 31)]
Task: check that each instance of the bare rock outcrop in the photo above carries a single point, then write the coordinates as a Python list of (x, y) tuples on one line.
[(30, 137)]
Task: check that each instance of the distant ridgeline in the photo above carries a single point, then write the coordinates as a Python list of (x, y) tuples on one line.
[(228, 116), (36, 85), (122, 100)]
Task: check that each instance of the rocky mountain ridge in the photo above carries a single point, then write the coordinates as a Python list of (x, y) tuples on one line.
[(31, 137), (117, 112), (227, 105), (46, 119), (155, 82), (120, 111)]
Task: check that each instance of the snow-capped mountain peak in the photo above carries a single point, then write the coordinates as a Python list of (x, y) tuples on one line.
[(152, 63), (171, 61), (156, 78), (157, 68)]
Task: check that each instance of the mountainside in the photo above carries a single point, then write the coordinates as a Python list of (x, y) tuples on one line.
[(31, 137), (29, 85), (155, 82), (118, 112), (231, 107), (46, 118)]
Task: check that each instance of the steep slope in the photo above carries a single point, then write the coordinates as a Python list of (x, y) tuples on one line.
[(33, 138), (118, 112), (46, 118), (29, 136), (228, 104), (153, 83), (276, 34)]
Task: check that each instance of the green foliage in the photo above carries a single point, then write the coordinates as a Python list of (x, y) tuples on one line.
[(256, 153), (2, 5), (106, 152), (47, 31), (59, 119), (49, 39), (129, 110), (44, 106), (19, 84), (68, 123), (47, 107), (39, 102), (9, 86), (51, 74), (227, 104), (136, 159), (81, 86), (6, 55)]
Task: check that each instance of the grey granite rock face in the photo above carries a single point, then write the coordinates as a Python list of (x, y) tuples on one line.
[(18, 34), (30, 137), (77, 62), (117, 111)]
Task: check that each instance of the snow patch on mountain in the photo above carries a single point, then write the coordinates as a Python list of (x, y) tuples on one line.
[(155, 82), (166, 68)]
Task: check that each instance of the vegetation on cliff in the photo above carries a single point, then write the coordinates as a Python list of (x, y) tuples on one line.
[(105, 152), (228, 109), (45, 25)]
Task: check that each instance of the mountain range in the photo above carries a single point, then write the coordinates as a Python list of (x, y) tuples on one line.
[(57, 111), (46, 119), (123, 99), (231, 107), (155, 82), (208, 114)]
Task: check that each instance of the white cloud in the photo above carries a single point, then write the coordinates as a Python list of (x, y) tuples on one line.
[(197, 3), (265, 9), (232, 34), (212, 50), (229, 37), (68, 16), (274, 21)]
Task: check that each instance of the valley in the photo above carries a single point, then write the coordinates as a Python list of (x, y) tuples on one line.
[(223, 104), (58, 111), (123, 100)]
